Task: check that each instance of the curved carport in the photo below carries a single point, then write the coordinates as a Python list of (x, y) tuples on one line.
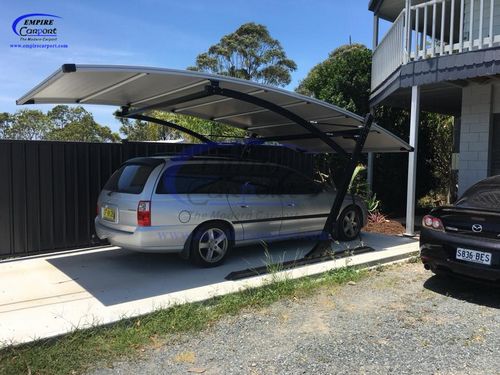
[(266, 113)]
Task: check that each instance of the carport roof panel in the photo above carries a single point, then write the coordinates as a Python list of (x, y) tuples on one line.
[(141, 87)]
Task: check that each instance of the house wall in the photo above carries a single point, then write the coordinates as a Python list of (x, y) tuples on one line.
[(479, 133), (486, 18), (475, 128)]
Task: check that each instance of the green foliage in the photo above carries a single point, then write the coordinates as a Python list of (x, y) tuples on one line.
[(77, 124), (248, 53), (136, 130), (5, 119), (342, 79), (144, 131), (432, 200), (372, 203), (62, 123), (358, 184), (26, 124), (441, 149)]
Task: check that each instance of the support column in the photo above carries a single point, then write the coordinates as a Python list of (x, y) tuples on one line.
[(369, 172), (371, 156), (375, 31), (412, 161)]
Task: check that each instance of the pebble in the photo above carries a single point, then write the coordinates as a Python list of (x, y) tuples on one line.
[(403, 321)]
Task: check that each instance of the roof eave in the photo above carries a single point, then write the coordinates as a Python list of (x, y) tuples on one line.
[(374, 5)]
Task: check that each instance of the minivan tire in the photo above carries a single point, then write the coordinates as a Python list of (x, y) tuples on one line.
[(350, 223), (210, 245)]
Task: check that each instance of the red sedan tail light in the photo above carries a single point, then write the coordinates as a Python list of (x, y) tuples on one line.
[(432, 222), (144, 214)]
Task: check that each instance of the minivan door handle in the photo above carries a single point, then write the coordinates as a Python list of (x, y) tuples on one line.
[(244, 205), (290, 204)]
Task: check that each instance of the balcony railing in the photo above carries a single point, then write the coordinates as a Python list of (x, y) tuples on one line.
[(389, 54), (436, 28)]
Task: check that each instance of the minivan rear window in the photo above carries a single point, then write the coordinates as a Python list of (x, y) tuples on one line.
[(129, 179)]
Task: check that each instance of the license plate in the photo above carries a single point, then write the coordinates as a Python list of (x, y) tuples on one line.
[(109, 214), (474, 256)]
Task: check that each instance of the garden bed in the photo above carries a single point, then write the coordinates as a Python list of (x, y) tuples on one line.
[(390, 227)]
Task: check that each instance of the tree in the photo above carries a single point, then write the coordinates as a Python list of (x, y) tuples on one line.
[(249, 53), (5, 120), (62, 115), (27, 124), (343, 79), (137, 130), (62, 123), (77, 124)]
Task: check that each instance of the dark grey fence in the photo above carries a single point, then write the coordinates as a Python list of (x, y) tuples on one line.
[(48, 190)]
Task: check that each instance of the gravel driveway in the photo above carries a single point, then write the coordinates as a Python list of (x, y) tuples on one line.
[(401, 320)]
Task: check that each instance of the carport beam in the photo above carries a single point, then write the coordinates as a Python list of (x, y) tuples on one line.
[(214, 89), (412, 161), (169, 125)]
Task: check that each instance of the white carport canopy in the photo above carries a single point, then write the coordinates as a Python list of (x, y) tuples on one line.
[(222, 99)]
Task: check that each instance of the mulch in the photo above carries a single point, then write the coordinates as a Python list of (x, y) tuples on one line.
[(390, 227)]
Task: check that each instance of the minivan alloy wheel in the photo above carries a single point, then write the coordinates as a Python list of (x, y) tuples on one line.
[(213, 245), (350, 223)]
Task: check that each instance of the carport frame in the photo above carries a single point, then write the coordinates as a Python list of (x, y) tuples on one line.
[(359, 134)]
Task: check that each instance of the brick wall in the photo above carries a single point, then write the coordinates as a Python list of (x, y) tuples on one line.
[(475, 134)]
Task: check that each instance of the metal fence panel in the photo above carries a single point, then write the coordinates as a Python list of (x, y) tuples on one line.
[(48, 190)]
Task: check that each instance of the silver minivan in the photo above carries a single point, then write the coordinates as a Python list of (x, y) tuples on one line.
[(201, 207)]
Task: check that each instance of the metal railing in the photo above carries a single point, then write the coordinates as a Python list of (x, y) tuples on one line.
[(388, 55), (436, 28)]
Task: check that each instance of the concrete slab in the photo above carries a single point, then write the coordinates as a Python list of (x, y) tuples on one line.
[(50, 295)]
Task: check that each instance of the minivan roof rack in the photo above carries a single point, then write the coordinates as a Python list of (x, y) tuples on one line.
[(213, 157)]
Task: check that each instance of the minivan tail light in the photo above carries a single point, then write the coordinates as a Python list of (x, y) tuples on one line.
[(432, 222), (144, 214)]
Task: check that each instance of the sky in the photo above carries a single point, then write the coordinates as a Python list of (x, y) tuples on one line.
[(169, 34)]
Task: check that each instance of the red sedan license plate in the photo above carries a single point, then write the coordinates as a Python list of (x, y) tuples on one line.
[(474, 256)]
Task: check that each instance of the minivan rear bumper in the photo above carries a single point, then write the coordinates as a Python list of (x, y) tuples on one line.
[(169, 239)]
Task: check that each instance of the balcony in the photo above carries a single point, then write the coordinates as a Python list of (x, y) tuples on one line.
[(433, 29)]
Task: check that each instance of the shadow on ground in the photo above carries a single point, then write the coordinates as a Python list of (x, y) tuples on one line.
[(464, 290), (115, 276)]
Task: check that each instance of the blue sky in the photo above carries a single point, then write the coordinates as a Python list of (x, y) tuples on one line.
[(171, 34)]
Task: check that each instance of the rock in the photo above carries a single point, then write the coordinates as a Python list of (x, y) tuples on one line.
[(197, 370)]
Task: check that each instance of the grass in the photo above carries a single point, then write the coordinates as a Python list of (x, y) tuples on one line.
[(78, 351)]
